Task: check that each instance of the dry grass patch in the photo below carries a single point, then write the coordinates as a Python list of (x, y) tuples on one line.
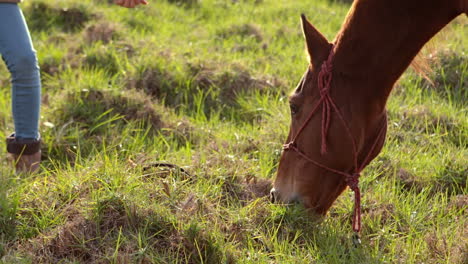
[(76, 240), (383, 213), (96, 115), (459, 202), (87, 105), (441, 248), (102, 31), (244, 189), (153, 81), (232, 81)]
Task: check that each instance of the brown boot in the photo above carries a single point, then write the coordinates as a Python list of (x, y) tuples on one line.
[(26, 153)]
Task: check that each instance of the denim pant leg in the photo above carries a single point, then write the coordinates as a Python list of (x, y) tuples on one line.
[(20, 57)]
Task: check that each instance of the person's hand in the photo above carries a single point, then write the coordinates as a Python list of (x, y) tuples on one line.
[(131, 3)]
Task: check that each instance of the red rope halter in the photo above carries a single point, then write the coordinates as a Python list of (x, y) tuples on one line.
[(352, 179)]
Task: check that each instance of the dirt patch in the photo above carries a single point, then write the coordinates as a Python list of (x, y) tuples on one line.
[(164, 170), (92, 239), (50, 67), (384, 213), (245, 189), (86, 105), (257, 187), (154, 81), (183, 131), (114, 213), (42, 17), (231, 81), (459, 202), (409, 180), (102, 31), (439, 247), (74, 240), (95, 115)]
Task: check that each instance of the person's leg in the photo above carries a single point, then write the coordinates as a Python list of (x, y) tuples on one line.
[(20, 57)]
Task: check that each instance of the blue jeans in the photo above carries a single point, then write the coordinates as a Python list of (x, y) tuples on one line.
[(20, 57)]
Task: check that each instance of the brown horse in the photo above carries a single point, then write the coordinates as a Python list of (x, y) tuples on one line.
[(338, 116)]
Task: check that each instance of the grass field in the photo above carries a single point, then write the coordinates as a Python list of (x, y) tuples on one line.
[(204, 85)]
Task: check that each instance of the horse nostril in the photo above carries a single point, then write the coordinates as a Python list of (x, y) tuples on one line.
[(273, 195)]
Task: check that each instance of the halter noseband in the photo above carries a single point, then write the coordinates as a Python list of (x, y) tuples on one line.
[(327, 103)]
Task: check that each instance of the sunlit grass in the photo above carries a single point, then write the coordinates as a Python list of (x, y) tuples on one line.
[(204, 86)]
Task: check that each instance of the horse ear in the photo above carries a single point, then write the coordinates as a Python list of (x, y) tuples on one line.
[(318, 46)]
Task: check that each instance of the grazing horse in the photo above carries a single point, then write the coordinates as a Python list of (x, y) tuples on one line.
[(338, 115)]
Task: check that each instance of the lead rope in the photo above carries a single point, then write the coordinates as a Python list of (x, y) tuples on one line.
[(352, 180)]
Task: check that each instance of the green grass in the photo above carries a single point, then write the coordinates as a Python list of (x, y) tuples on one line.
[(203, 84)]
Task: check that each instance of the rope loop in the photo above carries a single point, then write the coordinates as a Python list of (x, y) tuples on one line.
[(324, 91), (324, 79)]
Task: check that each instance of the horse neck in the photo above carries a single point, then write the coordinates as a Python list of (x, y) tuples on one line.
[(379, 39)]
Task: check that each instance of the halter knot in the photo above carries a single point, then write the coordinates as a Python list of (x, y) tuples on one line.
[(290, 145), (324, 92), (353, 181), (325, 74)]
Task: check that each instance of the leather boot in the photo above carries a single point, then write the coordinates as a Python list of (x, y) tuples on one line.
[(26, 154)]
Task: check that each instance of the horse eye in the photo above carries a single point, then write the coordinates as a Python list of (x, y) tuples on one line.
[(294, 109)]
